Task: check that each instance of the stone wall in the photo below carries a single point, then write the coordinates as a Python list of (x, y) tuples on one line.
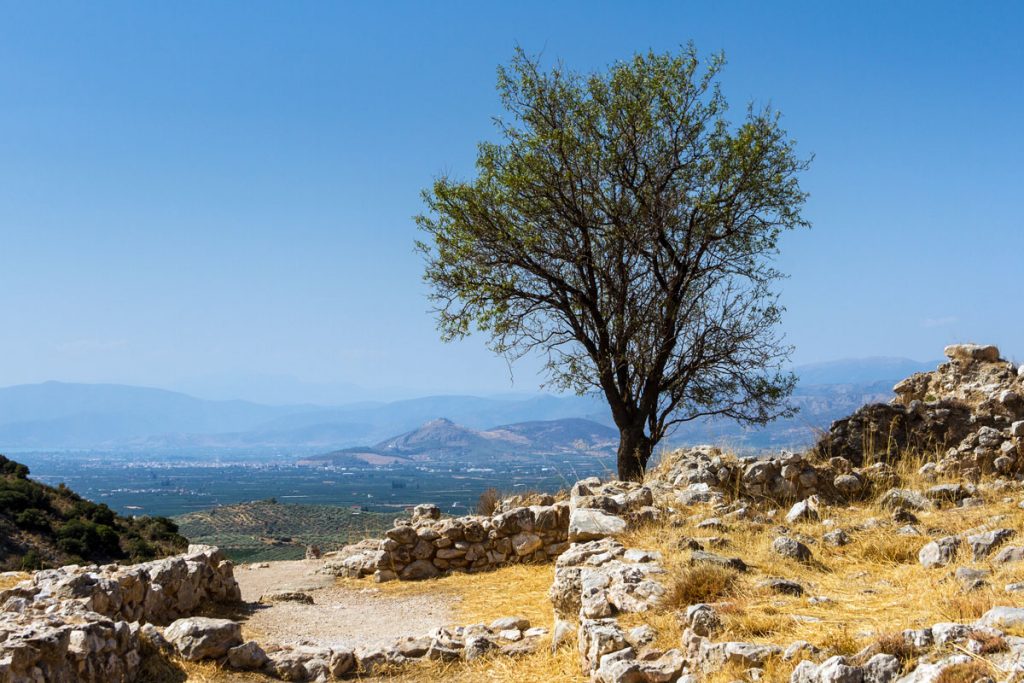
[(427, 546), (72, 623)]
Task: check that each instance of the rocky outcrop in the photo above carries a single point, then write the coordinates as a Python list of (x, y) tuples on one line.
[(970, 410), (705, 474), (85, 623)]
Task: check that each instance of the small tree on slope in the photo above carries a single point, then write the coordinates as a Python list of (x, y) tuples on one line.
[(625, 229)]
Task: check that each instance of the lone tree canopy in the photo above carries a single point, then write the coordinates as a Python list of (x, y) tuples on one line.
[(624, 228)]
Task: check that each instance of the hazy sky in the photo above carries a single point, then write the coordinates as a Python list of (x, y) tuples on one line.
[(195, 194)]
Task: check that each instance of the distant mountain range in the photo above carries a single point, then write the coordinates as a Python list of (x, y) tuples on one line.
[(61, 416), (442, 439)]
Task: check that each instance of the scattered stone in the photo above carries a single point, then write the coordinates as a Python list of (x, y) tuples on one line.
[(903, 499), (984, 543), (807, 509), (836, 538), (587, 524), (287, 596), (597, 638), (782, 586), (939, 553), (641, 635), (248, 656), (848, 484), (507, 623), (791, 548), (1004, 618), (701, 557)]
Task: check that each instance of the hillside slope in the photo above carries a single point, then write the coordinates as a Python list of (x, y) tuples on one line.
[(267, 530), (42, 526), (442, 440)]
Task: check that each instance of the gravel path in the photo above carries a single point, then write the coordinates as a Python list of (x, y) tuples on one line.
[(338, 616)]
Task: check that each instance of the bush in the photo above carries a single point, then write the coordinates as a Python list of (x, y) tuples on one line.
[(34, 519), (9, 467), (700, 583), (32, 561), (968, 672), (488, 502), (156, 528), (12, 502), (88, 539), (139, 550), (72, 546)]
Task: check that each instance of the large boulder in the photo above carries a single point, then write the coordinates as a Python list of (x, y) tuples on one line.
[(589, 524), (197, 638)]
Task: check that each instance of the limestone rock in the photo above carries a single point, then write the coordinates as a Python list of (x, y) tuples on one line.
[(197, 638), (597, 638), (1004, 618), (791, 548), (806, 509), (248, 656), (903, 499), (984, 543), (939, 553), (587, 524)]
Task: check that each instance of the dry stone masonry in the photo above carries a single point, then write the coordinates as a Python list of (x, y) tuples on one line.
[(85, 623), (95, 623), (426, 546)]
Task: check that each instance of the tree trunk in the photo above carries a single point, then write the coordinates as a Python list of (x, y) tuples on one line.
[(634, 452)]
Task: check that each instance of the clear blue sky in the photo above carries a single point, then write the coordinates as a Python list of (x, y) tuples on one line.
[(195, 194)]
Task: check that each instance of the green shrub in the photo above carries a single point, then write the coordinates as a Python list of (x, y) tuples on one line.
[(12, 502), (9, 467), (34, 519), (32, 561), (88, 539)]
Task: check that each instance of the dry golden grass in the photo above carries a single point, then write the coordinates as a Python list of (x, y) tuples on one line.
[(875, 588), (700, 583), (14, 579), (517, 590), (875, 585), (969, 672)]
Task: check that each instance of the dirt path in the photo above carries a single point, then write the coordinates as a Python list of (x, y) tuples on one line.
[(365, 617)]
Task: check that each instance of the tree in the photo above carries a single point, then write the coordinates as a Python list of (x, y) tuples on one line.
[(622, 227)]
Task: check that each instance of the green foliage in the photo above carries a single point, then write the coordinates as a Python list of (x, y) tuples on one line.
[(32, 561), (87, 538), (624, 227), (33, 519), (11, 468), (56, 525)]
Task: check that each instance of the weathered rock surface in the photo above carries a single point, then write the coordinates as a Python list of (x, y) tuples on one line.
[(939, 553), (197, 638)]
